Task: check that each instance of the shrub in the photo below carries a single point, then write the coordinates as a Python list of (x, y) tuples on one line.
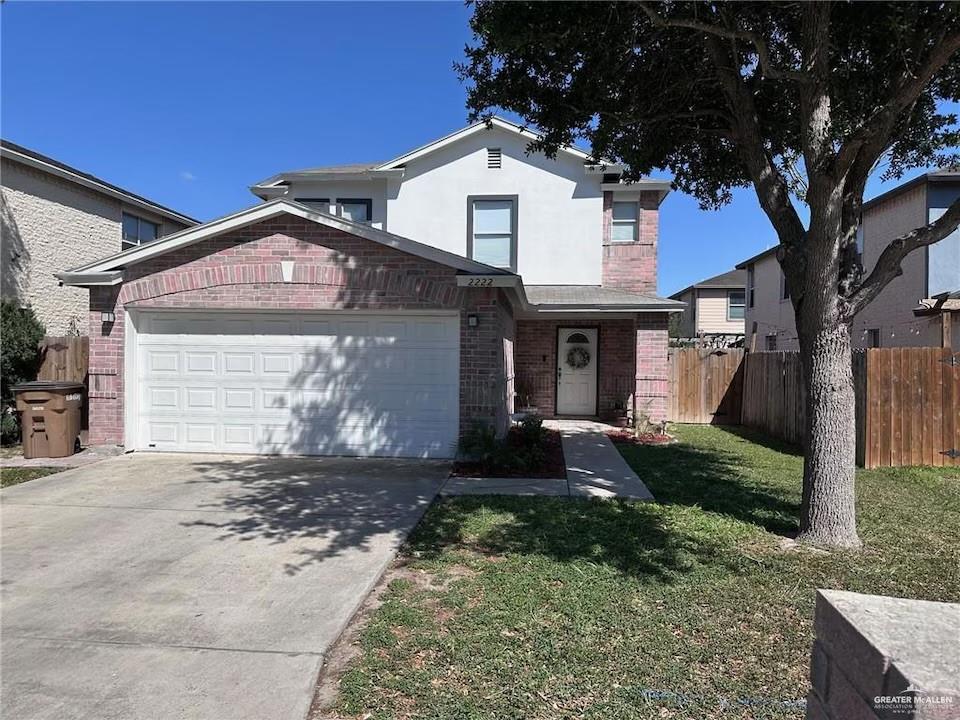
[(522, 450), (532, 431), (20, 336)]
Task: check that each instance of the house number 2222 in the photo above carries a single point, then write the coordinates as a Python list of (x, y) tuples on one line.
[(480, 282)]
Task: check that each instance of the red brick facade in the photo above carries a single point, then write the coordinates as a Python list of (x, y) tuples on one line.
[(333, 270), (632, 360), (632, 266)]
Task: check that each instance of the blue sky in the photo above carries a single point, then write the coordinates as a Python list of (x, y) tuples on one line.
[(190, 103)]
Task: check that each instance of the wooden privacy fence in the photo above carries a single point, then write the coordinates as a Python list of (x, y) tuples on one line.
[(64, 358), (907, 400), (705, 385)]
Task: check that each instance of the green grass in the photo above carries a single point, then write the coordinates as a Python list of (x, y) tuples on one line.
[(553, 608), (16, 475)]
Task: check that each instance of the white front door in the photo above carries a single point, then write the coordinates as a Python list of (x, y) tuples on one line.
[(577, 371), (338, 383)]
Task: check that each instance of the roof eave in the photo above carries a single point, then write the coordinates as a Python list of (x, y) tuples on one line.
[(87, 279), (101, 187)]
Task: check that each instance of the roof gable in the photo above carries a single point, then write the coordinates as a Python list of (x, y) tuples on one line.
[(109, 270), (470, 130)]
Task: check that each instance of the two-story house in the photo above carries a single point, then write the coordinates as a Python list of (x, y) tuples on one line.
[(715, 308), (907, 313), (54, 217), (380, 309)]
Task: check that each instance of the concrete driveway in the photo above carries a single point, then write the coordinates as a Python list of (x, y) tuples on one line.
[(157, 586)]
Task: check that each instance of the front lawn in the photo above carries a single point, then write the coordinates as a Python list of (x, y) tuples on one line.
[(16, 475), (692, 608)]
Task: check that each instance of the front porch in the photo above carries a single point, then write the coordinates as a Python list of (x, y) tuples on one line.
[(627, 365)]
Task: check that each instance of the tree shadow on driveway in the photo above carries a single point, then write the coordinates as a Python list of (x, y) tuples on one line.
[(328, 506)]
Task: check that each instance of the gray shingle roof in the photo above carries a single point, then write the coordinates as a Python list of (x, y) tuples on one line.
[(729, 279), (334, 169), (592, 296)]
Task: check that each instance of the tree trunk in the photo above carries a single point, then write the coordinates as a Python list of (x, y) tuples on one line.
[(828, 512)]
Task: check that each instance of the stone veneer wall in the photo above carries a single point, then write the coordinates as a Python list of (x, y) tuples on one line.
[(632, 266), (880, 657), (49, 225), (333, 271)]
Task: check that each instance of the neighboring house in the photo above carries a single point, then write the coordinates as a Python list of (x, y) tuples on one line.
[(906, 312), (56, 217), (382, 309), (715, 307)]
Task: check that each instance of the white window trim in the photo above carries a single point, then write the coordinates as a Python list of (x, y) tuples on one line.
[(635, 222), (743, 305)]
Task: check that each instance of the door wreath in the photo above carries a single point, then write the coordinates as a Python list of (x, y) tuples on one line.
[(578, 358)]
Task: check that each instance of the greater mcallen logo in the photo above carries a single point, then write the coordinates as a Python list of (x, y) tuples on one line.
[(909, 700)]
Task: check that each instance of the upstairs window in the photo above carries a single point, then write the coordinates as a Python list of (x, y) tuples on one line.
[(873, 337), (494, 158), (751, 290), (771, 342), (624, 224), (321, 204), (137, 231), (492, 231), (356, 209), (784, 287), (736, 305)]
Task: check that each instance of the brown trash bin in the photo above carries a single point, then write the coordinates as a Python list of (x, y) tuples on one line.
[(49, 417)]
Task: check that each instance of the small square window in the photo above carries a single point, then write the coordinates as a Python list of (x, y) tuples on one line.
[(873, 337), (357, 210), (137, 231), (624, 222), (771, 343)]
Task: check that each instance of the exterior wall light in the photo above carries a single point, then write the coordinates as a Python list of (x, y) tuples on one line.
[(473, 320), (107, 317)]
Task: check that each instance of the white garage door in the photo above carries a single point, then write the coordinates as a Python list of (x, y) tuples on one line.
[(306, 384)]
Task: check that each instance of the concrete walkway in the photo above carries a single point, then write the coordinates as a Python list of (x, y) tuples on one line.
[(595, 468)]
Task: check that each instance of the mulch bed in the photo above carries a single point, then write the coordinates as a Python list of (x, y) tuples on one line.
[(553, 467), (627, 437)]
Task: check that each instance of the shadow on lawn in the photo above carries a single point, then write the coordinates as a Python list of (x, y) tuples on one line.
[(726, 482), (633, 537)]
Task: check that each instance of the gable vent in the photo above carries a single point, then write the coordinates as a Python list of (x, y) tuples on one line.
[(493, 158)]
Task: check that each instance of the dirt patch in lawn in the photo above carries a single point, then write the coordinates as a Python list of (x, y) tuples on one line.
[(554, 465), (16, 475), (628, 437)]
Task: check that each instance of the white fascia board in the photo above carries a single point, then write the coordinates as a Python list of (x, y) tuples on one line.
[(86, 279), (65, 174), (274, 208), (467, 132), (269, 192)]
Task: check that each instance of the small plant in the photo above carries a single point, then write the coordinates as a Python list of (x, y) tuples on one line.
[(532, 431), (481, 445), (20, 335)]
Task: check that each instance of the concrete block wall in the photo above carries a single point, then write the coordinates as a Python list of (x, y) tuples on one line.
[(879, 658)]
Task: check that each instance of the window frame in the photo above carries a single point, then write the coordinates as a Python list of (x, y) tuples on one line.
[(751, 285), (635, 222), (770, 338), (308, 200), (784, 287), (356, 201), (126, 243), (873, 337), (742, 305), (514, 225)]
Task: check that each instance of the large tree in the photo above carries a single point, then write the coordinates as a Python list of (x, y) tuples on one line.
[(803, 101)]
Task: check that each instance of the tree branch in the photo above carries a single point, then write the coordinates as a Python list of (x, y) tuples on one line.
[(888, 264), (860, 152), (772, 189), (763, 52)]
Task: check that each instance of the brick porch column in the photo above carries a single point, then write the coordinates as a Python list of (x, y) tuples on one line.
[(651, 392)]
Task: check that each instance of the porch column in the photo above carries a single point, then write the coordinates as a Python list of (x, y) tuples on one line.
[(651, 388)]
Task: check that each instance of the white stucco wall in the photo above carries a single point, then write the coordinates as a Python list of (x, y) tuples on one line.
[(560, 207), (50, 225)]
